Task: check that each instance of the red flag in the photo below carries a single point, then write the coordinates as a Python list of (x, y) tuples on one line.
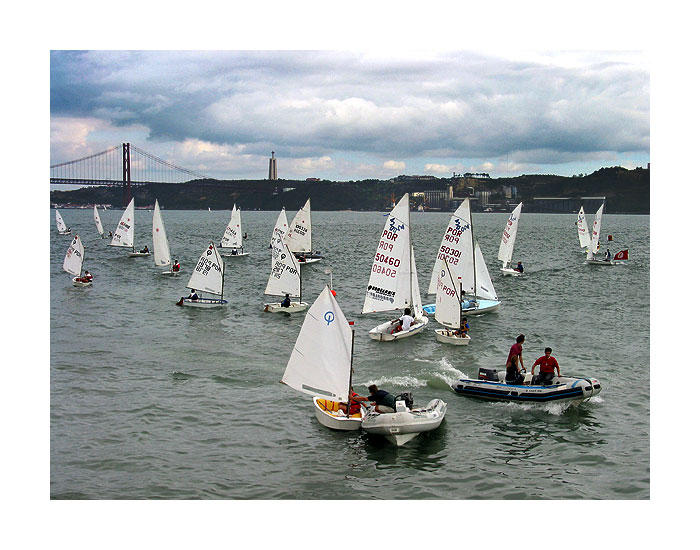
[(622, 255)]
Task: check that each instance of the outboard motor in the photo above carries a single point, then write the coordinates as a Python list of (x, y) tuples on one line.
[(406, 397), (488, 374)]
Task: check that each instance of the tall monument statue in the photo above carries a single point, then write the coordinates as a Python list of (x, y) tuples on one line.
[(272, 172)]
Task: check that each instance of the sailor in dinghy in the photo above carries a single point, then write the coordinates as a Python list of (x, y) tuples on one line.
[(73, 263), (208, 276)]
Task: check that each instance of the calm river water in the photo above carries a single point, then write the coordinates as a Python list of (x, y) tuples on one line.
[(152, 401)]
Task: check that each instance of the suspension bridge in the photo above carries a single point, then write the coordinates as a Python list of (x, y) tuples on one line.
[(122, 165)]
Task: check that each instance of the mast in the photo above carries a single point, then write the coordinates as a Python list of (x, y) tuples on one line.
[(352, 352), (410, 259), (223, 270), (471, 223)]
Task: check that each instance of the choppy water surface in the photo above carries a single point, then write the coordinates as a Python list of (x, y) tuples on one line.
[(152, 401)]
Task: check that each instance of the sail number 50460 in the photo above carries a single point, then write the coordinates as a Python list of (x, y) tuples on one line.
[(389, 260)]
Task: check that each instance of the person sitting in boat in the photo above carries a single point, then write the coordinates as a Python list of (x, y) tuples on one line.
[(144, 250), (86, 278), (110, 234), (176, 266), (463, 328), (519, 267), (404, 322), (286, 302), (515, 354), (301, 258), (234, 252), (606, 257), (355, 405), (547, 365), (245, 235), (383, 400), (193, 295)]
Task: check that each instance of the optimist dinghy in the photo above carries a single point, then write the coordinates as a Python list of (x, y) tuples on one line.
[(285, 279), (299, 236), (491, 385), (406, 422), (595, 237), (73, 263), (98, 222), (233, 235), (393, 281), (321, 363), (208, 276), (505, 250), (161, 249), (462, 252), (61, 225), (448, 311), (124, 233)]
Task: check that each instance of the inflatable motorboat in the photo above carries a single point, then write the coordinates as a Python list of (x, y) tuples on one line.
[(469, 307), (328, 414), (491, 384), (405, 423), (383, 332)]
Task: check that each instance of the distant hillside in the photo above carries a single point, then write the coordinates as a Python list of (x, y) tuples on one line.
[(627, 191)]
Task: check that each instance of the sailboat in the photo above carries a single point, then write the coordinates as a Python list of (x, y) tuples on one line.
[(98, 222), (462, 252), (233, 237), (61, 225), (285, 279), (124, 233), (584, 238), (208, 276), (595, 236), (161, 249), (299, 236), (393, 281), (321, 362), (73, 263), (448, 309), (505, 251), (279, 232)]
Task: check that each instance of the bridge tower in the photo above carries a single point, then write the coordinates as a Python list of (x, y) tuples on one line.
[(126, 171)]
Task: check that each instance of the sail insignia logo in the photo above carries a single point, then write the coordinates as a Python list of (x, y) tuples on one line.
[(329, 317)]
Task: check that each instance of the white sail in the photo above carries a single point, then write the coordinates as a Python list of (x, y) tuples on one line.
[(124, 233), (416, 302), (208, 274), (595, 233), (233, 237), (456, 249), (321, 359), (73, 262), (285, 275), (161, 250), (505, 251), (584, 238), (299, 233), (448, 309), (98, 221), (484, 285), (389, 285), (60, 224), (281, 228)]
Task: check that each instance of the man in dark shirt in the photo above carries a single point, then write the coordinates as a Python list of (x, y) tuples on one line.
[(383, 400)]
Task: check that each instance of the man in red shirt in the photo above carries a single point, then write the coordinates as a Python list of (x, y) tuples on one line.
[(515, 354), (547, 365)]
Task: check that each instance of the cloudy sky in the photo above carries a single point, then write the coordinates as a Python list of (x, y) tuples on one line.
[(347, 115)]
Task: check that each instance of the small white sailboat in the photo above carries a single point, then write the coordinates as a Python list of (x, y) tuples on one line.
[(233, 235), (505, 250), (405, 422), (595, 237), (98, 223), (448, 309), (321, 362), (462, 252), (299, 236), (208, 276), (73, 263), (584, 238), (124, 233), (61, 225), (284, 280), (393, 280), (161, 248), (279, 232)]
